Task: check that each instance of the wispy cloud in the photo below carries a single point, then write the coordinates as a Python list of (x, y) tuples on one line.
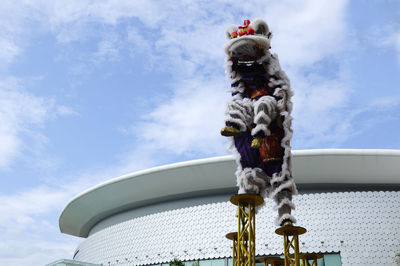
[(393, 41), (63, 110), (185, 40), (20, 113), (23, 117), (384, 37), (9, 50), (191, 42), (320, 116), (311, 32), (28, 235), (190, 121), (29, 221)]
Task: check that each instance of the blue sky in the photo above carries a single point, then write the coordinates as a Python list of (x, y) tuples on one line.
[(90, 90)]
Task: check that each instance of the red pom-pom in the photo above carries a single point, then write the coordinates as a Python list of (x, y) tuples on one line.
[(250, 31)]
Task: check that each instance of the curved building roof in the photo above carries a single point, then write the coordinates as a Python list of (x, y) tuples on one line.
[(216, 175)]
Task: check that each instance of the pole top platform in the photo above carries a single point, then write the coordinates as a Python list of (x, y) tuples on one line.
[(269, 259), (247, 199), (231, 236), (290, 230), (234, 236)]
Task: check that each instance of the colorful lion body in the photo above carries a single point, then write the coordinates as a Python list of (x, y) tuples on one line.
[(258, 119)]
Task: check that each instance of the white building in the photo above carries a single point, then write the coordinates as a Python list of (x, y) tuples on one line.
[(349, 201)]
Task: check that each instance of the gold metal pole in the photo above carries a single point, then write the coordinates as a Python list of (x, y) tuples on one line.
[(246, 236), (290, 235), (233, 236), (306, 257)]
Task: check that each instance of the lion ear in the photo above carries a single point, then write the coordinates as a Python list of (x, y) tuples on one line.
[(229, 30), (260, 27)]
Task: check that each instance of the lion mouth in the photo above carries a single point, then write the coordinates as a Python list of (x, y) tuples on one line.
[(247, 59), (246, 62)]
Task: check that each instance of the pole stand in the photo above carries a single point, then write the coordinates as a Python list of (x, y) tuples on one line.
[(233, 236), (290, 235), (246, 234), (271, 261), (306, 257)]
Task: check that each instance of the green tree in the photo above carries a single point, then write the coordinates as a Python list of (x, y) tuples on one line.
[(176, 262)]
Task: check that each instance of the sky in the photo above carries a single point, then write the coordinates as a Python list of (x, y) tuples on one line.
[(91, 90)]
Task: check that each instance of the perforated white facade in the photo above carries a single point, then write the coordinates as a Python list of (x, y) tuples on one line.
[(357, 217), (363, 226)]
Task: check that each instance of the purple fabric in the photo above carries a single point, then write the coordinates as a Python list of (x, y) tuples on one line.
[(229, 124), (250, 157), (271, 167)]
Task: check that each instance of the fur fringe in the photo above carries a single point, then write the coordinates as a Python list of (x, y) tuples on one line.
[(263, 113), (285, 202), (284, 217), (289, 184)]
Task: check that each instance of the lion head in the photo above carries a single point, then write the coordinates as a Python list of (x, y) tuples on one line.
[(249, 42)]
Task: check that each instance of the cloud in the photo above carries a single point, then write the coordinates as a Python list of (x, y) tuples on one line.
[(393, 41), (192, 43), (29, 225), (63, 110), (12, 20), (107, 48), (20, 113), (312, 32), (29, 221), (190, 121), (320, 111), (34, 251), (185, 40), (23, 117), (28, 235), (9, 50), (23, 207), (383, 37)]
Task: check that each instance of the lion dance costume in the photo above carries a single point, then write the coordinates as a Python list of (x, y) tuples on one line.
[(258, 119)]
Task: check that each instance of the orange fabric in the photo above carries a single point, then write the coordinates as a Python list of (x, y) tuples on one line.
[(259, 92), (271, 148)]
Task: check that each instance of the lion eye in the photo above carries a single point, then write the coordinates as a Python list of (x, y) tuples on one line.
[(261, 30)]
